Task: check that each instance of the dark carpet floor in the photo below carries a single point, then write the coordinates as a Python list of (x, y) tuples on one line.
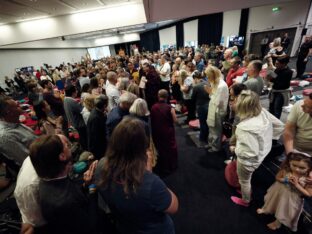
[(204, 196)]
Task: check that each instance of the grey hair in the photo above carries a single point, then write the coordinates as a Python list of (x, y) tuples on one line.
[(127, 97), (110, 75), (139, 108), (124, 83)]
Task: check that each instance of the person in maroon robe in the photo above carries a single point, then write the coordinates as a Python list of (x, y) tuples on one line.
[(163, 118), (152, 85)]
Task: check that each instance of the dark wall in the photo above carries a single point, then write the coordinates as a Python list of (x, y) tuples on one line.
[(255, 39)]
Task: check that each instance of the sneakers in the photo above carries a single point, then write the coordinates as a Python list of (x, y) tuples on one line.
[(239, 201)]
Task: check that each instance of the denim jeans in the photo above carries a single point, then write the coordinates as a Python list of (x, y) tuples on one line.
[(202, 112), (276, 106)]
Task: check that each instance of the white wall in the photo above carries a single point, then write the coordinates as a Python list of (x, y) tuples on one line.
[(168, 36), (11, 59), (231, 21), (51, 43), (58, 43), (290, 15), (309, 22), (112, 17), (190, 30)]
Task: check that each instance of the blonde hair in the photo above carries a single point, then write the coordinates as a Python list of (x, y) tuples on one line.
[(213, 73), (134, 88), (88, 102), (182, 76), (139, 108), (277, 41), (248, 105)]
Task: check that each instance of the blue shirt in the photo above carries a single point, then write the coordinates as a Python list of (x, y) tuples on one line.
[(114, 117), (141, 212), (200, 66)]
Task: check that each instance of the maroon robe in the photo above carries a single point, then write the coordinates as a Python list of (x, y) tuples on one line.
[(164, 138)]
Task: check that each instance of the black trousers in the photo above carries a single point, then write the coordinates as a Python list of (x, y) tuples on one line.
[(301, 66), (165, 85), (83, 137)]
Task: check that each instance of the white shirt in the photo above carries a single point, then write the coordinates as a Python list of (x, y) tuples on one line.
[(46, 77), (27, 194), (218, 102), (85, 115), (83, 80), (165, 69), (113, 95), (254, 138)]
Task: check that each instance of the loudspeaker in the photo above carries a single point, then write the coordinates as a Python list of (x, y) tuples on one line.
[(304, 31)]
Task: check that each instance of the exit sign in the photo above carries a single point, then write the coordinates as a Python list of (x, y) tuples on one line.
[(275, 9)]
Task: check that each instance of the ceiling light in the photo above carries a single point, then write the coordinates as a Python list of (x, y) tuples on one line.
[(101, 2), (35, 18)]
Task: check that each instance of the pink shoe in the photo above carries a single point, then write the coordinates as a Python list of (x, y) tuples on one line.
[(239, 201)]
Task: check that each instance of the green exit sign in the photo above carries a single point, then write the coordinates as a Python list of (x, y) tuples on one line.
[(275, 9)]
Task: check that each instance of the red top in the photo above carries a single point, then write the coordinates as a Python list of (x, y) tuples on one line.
[(232, 74)]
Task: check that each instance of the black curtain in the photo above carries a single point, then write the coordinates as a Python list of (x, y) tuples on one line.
[(210, 29), (120, 46), (150, 40), (180, 34), (243, 23)]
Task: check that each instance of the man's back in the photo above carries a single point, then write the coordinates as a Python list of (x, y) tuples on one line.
[(255, 84), (73, 112), (114, 118), (96, 128), (15, 140), (303, 123), (65, 206), (113, 95)]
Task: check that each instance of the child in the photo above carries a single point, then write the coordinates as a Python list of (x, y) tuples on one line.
[(285, 197)]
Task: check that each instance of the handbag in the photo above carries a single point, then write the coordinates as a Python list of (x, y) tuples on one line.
[(230, 174), (227, 128)]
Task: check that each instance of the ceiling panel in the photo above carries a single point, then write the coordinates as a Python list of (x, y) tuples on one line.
[(12, 11)]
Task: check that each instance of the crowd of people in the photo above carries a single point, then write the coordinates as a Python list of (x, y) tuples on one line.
[(124, 110)]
